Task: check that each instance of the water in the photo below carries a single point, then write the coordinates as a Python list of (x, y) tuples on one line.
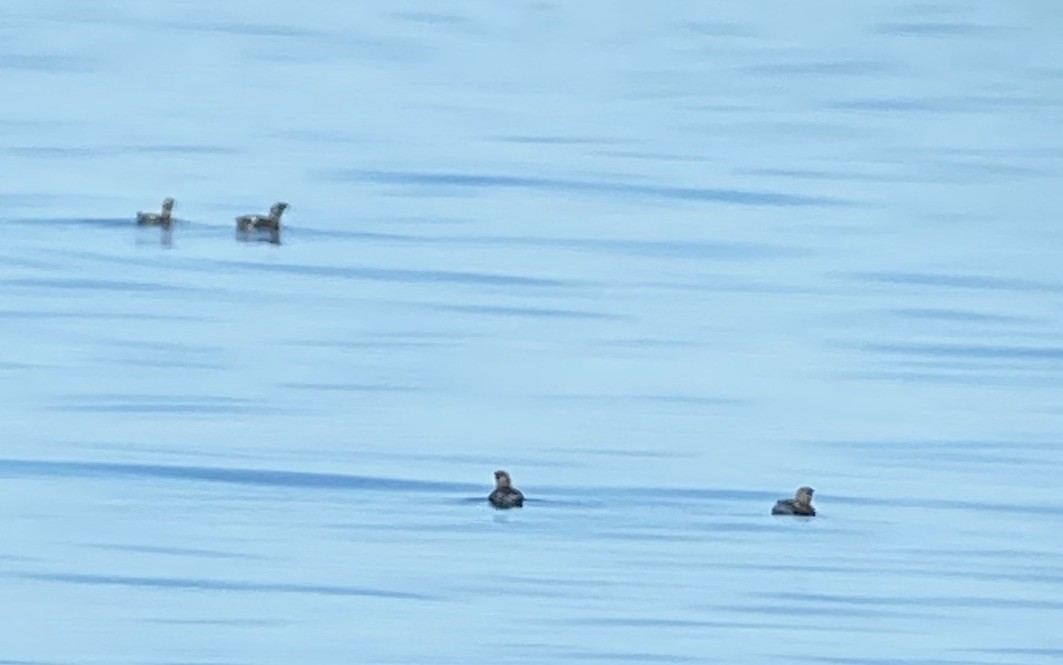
[(663, 262)]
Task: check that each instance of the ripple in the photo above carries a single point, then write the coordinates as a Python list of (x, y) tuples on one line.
[(399, 275), (556, 654), (485, 181), (66, 284), (217, 622), (955, 281), (189, 149), (929, 602), (528, 312), (47, 63), (824, 68), (173, 551), (139, 403), (958, 316), (88, 315), (432, 18), (193, 584), (98, 222), (805, 610), (304, 479), (977, 351), (689, 249), (679, 400), (351, 387), (930, 29), (897, 661)]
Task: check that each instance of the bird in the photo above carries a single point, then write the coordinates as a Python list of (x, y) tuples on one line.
[(504, 494), (270, 222), (157, 218), (801, 504)]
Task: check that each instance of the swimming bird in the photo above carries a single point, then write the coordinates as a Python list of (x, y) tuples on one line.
[(157, 218), (801, 504), (270, 222), (505, 495)]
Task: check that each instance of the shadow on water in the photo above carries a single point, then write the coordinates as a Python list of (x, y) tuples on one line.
[(267, 236), (164, 238), (531, 502), (143, 235)]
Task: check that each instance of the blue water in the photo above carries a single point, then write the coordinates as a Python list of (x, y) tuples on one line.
[(664, 262)]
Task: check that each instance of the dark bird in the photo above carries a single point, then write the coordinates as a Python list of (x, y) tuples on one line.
[(801, 504), (505, 495), (157, 218), (270, 222)]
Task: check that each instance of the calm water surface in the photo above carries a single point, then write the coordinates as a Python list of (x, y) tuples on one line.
[(664, 262)]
